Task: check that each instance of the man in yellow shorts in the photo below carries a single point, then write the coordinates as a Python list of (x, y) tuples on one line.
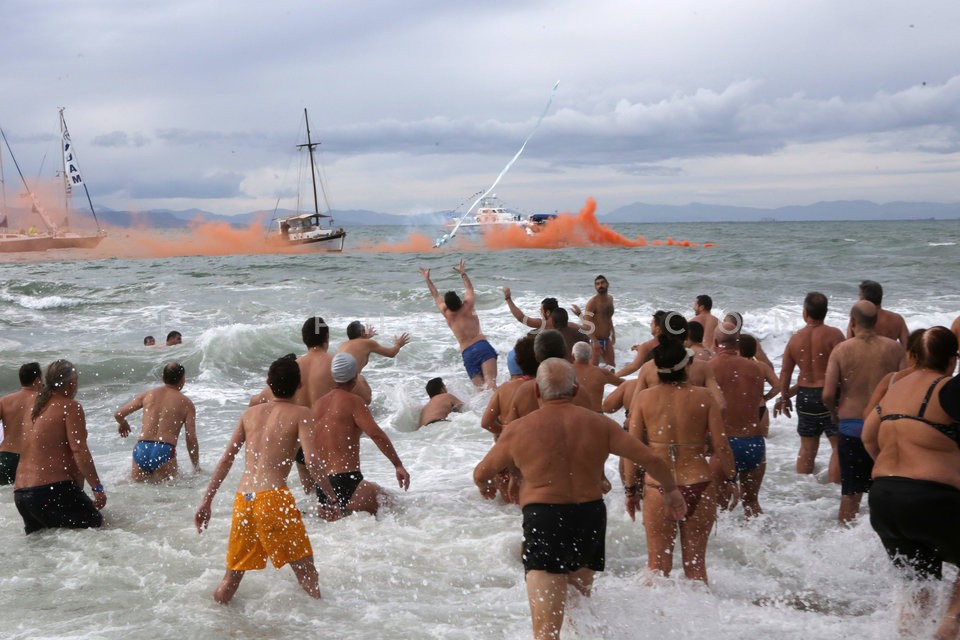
[(266, 521)]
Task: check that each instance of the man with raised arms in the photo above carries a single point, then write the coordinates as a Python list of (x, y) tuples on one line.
[(165, 412), (360, 344), (479, 358), (547, 306), (55, 460), (561, 449), (809, 350), (598, 322), (702, 306), (266, 521), (591, 379), (853, 370), (342, 417), (14, 410), (889, 324)]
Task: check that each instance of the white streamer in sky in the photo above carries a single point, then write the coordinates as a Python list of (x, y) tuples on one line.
[(447, 236)]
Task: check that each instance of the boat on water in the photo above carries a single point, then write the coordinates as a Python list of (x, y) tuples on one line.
[(491, 214), (53, 236), (311, 229)]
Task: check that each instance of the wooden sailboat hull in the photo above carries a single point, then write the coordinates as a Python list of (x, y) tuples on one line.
[(23, 244), (76, 242)]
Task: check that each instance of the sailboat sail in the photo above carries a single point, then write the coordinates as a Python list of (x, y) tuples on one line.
[(70, 165)]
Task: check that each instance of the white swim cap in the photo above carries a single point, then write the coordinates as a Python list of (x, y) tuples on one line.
[(343, 367)]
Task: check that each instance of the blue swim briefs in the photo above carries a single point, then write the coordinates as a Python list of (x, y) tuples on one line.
[(150, 455), (475, 355), (851, 427), (748, 452)]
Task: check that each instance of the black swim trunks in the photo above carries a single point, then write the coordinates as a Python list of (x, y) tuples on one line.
[(813, 417), (8, 466), (561, 538), (344, 485), (58, 505), (917, 521)]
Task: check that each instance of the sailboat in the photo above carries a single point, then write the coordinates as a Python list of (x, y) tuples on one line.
[(310, 228), (55, 236)]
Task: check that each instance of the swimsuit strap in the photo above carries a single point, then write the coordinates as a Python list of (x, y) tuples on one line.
[(926, 398)]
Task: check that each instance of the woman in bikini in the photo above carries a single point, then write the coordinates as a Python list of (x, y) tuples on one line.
[(913, 435), (682, 424)]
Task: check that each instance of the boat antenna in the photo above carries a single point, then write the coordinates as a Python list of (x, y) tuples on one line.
[(447, 236), (71, 171)]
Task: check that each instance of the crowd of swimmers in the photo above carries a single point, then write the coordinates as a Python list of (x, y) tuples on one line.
[(692, 443)]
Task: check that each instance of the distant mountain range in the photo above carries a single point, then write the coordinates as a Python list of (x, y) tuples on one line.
[(636, 213)]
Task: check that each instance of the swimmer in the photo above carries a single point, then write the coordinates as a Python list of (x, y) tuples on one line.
[(165, 412), (440, 405), (15, 409)]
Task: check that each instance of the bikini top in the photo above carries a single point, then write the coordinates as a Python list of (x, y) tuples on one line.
[(951, 430)]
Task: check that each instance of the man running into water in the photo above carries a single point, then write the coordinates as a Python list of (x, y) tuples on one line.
[(889, 324), (14, 409), (360, 344), (342, 418), (809, 349), (441, 403), (266, 521), (165, 412), (598, 322), (55, 460), (702, 306), (479, 358)]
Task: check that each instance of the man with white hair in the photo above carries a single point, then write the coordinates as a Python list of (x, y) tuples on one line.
[(561, 449), (342, 417), (591, 378)]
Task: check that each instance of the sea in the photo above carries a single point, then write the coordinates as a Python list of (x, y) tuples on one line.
[(438, 561)]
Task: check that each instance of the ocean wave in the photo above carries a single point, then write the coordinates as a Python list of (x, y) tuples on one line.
[(941, 244), (42, 302)]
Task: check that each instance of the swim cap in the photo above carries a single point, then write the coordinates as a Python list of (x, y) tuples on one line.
[(512, 364), (343, 367)]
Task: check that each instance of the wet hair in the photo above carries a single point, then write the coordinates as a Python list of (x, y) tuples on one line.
[(560, 318), (354, 330), (695, 331), (315, 332), (556, 379), (524, 353), (173, 335), (600, 277), (674, 326), (149, 341), (549, 344), (452, 300), (872, 291), (915, 344), (937, 346), (658, 317), (815, 304), (434, 386), (748, 346), (59, 374), (549, 304), (29, 373), (668, 354), (283, 377), (173, 373), (705, 301), (864, 319), (581, 351)]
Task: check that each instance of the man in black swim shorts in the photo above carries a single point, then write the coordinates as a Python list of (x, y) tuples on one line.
[(564, 517)]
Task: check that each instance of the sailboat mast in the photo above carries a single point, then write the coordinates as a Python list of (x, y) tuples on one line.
[(313, 170), (71, 174), (35, 203)]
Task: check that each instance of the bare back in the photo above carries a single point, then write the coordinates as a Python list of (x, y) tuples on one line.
[(741, 382), (271, 434), (464, 323), (857, 365), (591, 381), (809, 349), (709, 322), (14, 411), (46, 451), (165, 411), (315, 377), (438, 408)]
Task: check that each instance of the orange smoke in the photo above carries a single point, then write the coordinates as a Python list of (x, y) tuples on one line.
[(566, 230)]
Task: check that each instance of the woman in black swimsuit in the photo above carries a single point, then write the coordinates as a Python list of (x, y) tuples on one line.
[(915, 498)]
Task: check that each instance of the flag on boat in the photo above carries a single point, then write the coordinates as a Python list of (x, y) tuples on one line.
[(70, 167)]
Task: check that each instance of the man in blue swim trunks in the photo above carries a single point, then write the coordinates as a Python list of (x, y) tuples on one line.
[(597, 322), (741, 382), (165, 412), (479, 358), (855, 367)]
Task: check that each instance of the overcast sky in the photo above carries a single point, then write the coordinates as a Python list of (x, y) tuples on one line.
[(419, 104)]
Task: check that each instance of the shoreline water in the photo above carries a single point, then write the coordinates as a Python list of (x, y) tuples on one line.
[(439, 561)]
